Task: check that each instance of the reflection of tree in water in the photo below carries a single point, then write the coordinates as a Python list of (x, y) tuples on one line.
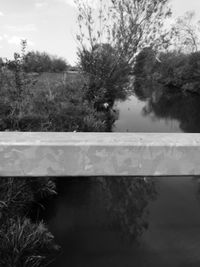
[(117, 203), (143, 89), (184, 108), (196, 180), (169, 103), (126, 202)]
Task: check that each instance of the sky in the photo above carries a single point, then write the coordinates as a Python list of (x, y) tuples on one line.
[(50, 25)]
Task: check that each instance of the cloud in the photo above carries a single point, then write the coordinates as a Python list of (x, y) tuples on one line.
[(22, 28), (41, 4), (1, 14), (1, 38), (16, 40)]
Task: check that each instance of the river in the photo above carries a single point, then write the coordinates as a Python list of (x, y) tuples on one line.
[(172, 239), (132, 119)]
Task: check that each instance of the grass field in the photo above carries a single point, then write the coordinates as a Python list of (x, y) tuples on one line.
[(50, 81), (63, 77)]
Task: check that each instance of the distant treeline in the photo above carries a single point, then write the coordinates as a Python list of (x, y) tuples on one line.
[(39, 62), (171, 69)]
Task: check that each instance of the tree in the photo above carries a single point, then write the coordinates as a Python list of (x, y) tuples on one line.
[(107, 77), (128, 26), (110, 37), (43, 62), (186, 37), (112, 33)]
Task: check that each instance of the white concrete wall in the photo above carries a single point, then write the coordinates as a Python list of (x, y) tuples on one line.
[(92, 154)]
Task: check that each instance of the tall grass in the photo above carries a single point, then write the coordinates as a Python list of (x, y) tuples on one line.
[(25, 244), (18, 194)]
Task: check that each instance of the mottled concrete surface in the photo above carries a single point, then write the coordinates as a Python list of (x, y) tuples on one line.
[(92, 154)]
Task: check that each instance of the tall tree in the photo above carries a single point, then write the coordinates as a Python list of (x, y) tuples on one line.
[(127, 25)]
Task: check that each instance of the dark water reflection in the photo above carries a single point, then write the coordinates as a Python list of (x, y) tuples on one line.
[(80, 226)]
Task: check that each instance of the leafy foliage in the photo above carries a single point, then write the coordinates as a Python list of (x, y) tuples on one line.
[(25, 244), (35, 62), (176, 70), (107, 74)]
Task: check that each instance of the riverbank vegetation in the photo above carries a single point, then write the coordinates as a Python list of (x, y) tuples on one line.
[(176, 70), (31, 104)]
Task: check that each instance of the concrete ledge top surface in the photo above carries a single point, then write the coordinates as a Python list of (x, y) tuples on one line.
[(99, 139)]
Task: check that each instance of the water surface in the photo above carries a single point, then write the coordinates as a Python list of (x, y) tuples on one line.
[(132, 118), (172, 239)]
